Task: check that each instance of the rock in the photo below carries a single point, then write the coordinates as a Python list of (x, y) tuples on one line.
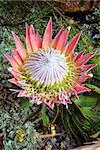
[(95, 146), (71, 6)]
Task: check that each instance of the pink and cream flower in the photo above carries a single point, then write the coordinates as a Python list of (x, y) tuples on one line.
[(49, 71)]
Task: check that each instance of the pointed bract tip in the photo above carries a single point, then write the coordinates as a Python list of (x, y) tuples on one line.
[(32, 29), (31, 26), (13, 33), (91, 75), (10, 69), (81, 32), (50, 21), (69, 28), (6, 55), (26, 24)]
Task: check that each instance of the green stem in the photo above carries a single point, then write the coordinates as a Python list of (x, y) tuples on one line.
[(57, 113), (44, 116)]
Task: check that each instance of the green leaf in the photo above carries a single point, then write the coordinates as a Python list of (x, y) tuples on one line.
[(87, 111), (44, 116), (86, 101), (96, 70), (94, 88), (95, 135), (73, 123), (26, 104)]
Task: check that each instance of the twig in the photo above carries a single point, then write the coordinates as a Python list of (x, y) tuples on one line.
[(49, 135)]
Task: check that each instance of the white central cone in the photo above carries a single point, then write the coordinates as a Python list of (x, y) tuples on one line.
[(47, 67)]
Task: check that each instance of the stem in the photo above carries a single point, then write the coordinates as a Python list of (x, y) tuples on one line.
[(57, 113), (44, 116), (44, 107)]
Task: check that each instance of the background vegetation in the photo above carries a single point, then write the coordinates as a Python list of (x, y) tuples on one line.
[(20, 127)]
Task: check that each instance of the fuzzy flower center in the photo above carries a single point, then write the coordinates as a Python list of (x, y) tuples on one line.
[(47, 67)]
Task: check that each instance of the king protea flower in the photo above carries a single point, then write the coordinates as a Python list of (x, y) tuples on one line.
[(49, 71)]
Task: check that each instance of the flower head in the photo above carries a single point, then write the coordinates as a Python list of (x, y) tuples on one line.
[(49, 71)]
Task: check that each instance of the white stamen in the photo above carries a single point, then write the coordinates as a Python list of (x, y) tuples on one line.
[(47, 67)]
